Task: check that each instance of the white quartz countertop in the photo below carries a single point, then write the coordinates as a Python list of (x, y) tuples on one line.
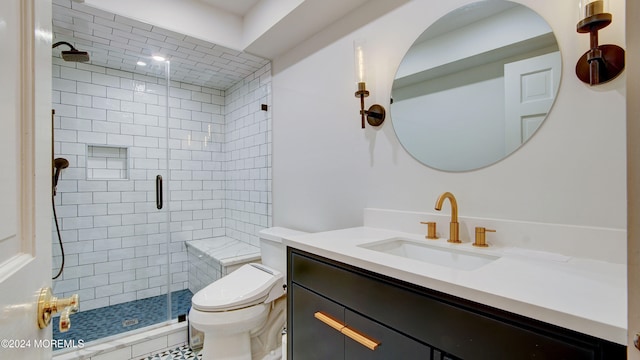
[(588, 296)]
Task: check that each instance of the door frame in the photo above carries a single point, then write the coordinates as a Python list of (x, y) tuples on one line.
[(633, 175)]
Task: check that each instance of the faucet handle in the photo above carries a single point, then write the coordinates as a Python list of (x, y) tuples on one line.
[(49, 305), (480, 236), (70, 307), (431, 229)]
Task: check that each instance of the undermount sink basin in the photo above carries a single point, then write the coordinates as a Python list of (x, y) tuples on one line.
[(421, 251)]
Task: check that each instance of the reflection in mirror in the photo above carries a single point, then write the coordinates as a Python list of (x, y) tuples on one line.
[(475, 85)]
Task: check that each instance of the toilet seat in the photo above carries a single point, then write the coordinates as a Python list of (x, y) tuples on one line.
[(249, 285)]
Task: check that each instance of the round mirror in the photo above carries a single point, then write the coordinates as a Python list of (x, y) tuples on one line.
[(476, 85)]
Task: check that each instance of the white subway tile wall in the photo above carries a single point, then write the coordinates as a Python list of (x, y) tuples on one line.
[(219, 148), (248, 157)]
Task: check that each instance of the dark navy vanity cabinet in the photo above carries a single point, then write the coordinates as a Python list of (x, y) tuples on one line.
[(331, 303)]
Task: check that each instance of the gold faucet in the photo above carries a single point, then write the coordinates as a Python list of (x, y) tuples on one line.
[(454, 227)]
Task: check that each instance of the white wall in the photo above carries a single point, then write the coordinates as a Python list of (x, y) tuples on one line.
[(326, 169)]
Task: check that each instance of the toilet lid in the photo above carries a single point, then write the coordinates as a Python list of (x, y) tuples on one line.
[(248, 285)]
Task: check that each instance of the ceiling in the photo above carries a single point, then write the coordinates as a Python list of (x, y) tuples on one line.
[(118, 42), (236, 7)]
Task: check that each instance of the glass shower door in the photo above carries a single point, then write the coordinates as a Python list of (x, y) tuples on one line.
[(111, 201)]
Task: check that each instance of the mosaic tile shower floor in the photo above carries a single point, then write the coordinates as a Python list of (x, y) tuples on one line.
[(98, 323), (181, 353)]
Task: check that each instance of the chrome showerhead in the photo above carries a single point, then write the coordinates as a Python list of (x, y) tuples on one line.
[(73, 55)]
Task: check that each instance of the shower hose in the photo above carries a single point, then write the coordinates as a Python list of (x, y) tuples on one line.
[(55, 218)]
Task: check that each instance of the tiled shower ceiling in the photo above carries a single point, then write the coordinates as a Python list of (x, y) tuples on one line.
[(121, 43)]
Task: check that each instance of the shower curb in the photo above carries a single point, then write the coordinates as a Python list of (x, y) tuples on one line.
[(139, 344)]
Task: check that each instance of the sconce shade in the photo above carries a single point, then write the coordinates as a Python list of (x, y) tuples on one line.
[(359, 50), (376, 113)]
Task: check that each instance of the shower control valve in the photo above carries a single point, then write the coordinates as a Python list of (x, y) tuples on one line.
[(49, 305)]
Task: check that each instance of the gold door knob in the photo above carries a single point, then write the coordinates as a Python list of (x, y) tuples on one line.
[(49, 305)]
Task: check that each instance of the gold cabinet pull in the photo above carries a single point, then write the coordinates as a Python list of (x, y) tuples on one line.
[(329, 320), (347, 331), (360, 338)]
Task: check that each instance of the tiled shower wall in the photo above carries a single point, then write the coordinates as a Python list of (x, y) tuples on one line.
[(248, 157), (114, 237)]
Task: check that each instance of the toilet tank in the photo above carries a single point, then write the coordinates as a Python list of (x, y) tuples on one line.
[(272, 251)]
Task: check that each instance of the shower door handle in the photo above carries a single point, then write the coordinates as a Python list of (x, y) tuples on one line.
[(159, 192)]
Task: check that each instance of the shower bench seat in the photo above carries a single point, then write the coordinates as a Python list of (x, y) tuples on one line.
[(210, 259)]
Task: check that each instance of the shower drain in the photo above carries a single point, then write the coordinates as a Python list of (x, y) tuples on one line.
[(129, 322)]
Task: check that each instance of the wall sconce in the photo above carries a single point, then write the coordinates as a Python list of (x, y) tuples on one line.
[(376, 113), (602, 62)]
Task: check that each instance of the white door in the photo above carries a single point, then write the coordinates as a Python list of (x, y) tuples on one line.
[(25, 175), (530, 88)]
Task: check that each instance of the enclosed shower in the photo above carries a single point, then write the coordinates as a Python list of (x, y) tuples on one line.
[(166, 142)]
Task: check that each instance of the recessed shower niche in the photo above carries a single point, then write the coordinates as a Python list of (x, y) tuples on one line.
[(107, 163)]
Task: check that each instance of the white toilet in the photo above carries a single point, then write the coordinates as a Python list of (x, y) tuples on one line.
[(242, 314)]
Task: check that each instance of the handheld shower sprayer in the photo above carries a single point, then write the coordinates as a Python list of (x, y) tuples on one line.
[(59, 164)]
